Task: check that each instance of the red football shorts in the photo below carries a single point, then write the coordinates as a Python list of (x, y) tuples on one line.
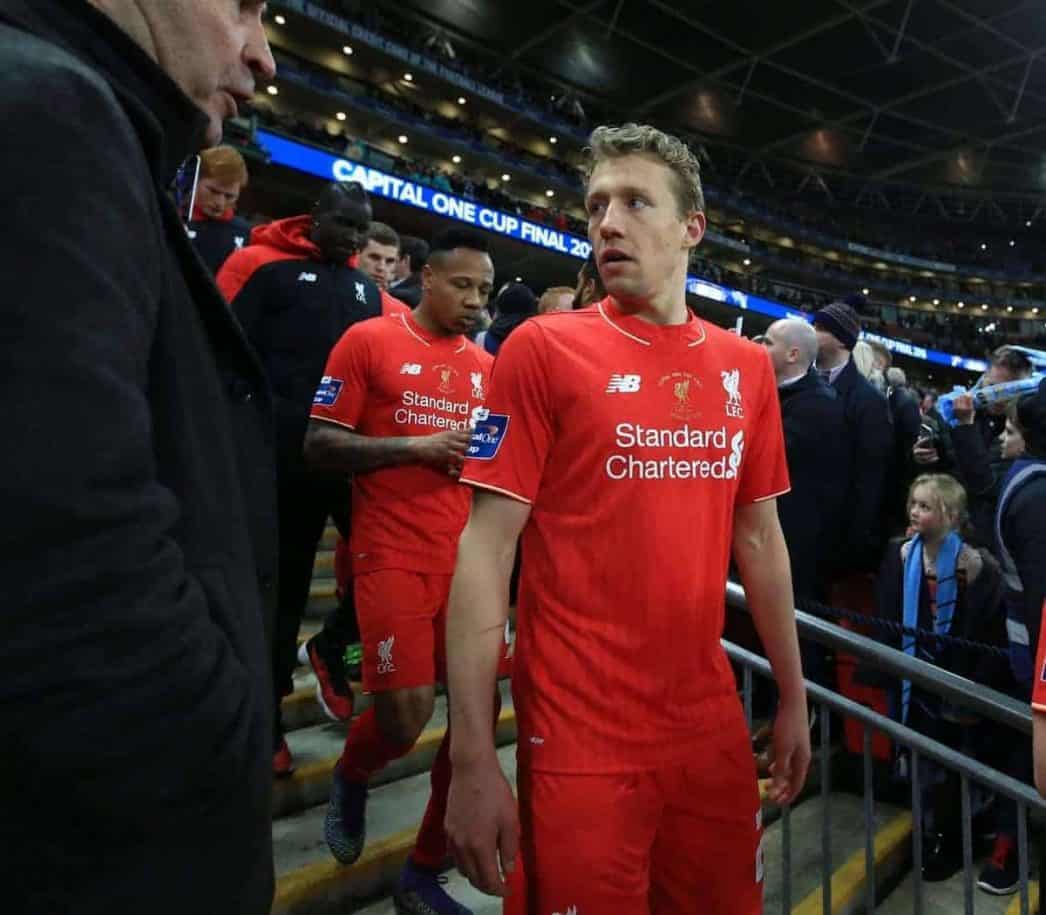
[(680, 841), (403, 628)]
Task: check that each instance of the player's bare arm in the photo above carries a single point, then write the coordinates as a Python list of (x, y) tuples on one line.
[(482, 821), (333, 448), (1038, 725), (762, 559)]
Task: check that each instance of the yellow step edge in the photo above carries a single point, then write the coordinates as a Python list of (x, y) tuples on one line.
[(323, 587), (299, 699), (306, 883), (849, 879), (300, 886), (430, 739), (1014, 908)]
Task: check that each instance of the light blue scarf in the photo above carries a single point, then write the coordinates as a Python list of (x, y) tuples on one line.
[(947, 596)]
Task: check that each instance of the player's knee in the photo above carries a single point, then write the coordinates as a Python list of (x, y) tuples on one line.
[(402, 715)]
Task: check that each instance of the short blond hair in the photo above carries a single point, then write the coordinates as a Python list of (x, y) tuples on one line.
[(949, 495), (642, 139), (545, 302), (225, 164)]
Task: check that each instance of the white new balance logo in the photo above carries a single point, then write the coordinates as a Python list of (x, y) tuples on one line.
[(410, 368), (623, 384), (385, 665), (361, 293), (307, 277)]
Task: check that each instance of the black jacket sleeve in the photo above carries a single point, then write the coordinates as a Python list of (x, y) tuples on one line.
[(975, 464), (874, 452), (117, 685), (1026, 539), (251, 305)]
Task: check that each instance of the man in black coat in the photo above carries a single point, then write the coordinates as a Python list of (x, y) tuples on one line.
[(137, 531), (814, 513), (907, 422), (295, 294), (871, 435), (414, 254)]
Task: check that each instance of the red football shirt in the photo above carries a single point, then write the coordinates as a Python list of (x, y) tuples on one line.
[(633, 443), (389, 377), (390, 305)]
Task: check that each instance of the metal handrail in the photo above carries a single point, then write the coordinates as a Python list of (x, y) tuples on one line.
[(983, 700)]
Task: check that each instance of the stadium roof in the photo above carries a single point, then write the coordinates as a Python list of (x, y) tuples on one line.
[(943, 93)]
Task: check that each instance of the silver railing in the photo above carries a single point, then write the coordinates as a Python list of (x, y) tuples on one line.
[(985, 702)]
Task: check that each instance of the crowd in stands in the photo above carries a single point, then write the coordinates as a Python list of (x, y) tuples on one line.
[(738, 188), (919, 526), (821, 279)]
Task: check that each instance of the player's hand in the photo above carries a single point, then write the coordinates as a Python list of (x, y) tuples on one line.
[(962, 408), (483, 825), (791, 751), (925, 455), (445, 450)]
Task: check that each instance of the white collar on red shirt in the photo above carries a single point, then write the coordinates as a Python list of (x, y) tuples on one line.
[(417, 332), (645, 333)]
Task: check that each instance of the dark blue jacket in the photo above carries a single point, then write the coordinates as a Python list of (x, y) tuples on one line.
[(137, 536), (871, 455), (814, 513)]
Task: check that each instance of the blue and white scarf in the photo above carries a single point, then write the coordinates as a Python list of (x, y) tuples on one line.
[(947, 597)]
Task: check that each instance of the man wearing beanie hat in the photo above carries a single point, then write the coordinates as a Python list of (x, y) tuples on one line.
[(514, 304), (871, 435)]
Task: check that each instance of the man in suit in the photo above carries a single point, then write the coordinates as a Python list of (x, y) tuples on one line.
[(414, 253), (136, 475), (813, 514), (870, 435)]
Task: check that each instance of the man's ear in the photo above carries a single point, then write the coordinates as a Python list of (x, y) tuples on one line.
[(694, 229)]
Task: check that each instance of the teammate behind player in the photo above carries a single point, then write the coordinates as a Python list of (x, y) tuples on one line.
[(378, 260), (214, 228), (633, 445), (394, 411)]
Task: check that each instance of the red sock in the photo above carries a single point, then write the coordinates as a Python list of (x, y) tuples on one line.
[(367, 750), (431, 849)]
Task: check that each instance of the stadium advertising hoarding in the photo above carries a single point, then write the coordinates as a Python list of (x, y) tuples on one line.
[(326, 165)]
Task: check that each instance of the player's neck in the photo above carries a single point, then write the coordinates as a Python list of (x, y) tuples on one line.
[(664, 309), (425, 321)]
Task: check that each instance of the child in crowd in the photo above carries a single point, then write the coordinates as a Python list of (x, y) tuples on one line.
[(941, 586)]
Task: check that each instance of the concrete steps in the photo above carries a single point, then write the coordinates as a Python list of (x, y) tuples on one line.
[(947, 898), (316, 750), (311, 882)]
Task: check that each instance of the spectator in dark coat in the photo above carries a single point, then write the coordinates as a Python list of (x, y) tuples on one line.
[(215, 229), (414, 254), (977, 438), (814, 513), (295, 295), (907, 420), (136, 479), (513, 305), (871, 434), (1020, 528)]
